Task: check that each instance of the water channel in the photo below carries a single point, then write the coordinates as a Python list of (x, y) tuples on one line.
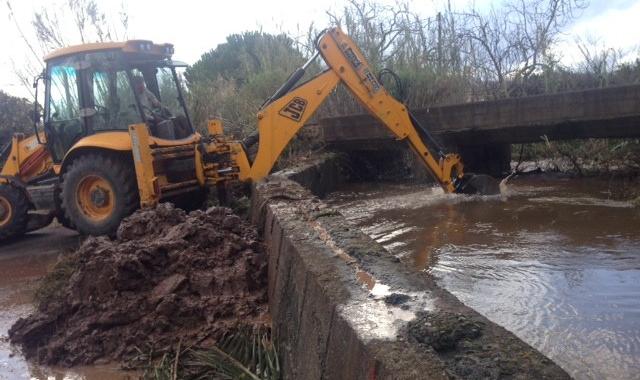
[(554, 260)]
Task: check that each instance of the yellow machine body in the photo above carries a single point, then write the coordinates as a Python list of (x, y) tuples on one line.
[(27, 159), (211, 160)]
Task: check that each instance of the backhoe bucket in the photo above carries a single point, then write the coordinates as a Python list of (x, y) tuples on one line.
[(480, 184)]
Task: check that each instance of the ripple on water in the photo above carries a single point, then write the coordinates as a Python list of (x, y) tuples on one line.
[(556, 262), (569, 310), (583, 201)]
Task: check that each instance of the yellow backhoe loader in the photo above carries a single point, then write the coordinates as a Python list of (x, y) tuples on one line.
[(116, 135)]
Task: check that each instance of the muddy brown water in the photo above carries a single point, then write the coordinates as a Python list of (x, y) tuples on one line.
[(555, 261), (22, 264)]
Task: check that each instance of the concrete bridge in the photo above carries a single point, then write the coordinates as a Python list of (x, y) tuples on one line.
[(482, 132)]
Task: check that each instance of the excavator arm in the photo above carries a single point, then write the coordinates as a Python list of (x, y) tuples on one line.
[(284, 113)]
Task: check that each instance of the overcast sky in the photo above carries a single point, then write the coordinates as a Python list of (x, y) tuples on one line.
[(197, 26)]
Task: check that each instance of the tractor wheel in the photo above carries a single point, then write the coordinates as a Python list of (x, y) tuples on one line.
[(98, 191), (60, 216), (64, 221), (14, 206)]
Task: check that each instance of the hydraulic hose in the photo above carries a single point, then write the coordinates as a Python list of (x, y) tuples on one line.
[(427, 137), (429, 140), (290, 82), (399, 86)]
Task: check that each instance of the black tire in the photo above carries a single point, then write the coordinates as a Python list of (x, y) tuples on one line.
[(60, 216), (14, 224), (64, 221), (118, 173)]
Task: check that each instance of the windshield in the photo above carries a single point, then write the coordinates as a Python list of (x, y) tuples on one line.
[(122, 92), (114, 102), (159, 92), (168, 89), (107, 90), (63, 123)]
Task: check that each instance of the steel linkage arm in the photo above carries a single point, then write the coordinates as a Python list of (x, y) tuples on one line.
[(343, 56)]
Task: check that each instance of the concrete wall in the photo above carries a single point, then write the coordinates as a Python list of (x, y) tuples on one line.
[(344, 308)]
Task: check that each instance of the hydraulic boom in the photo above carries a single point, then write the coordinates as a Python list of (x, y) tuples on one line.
[(285, 112)]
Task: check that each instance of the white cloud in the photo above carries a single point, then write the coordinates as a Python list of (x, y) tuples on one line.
[(616, 27)]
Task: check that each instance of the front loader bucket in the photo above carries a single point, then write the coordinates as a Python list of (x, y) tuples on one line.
[(480, 184)]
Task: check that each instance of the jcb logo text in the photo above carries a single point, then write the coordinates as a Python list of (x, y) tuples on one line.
[(294, 109)]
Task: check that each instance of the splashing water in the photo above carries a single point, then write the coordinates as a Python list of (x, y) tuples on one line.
[(553, 260)]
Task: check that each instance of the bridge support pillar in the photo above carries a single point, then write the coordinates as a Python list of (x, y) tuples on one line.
[(494, 160)]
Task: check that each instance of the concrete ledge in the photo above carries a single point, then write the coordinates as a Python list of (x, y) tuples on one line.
[(335, 295), (321, 175)]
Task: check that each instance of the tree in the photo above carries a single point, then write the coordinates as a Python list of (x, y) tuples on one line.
[(14, 117), (232, 80), (63, 23), (508, 45)]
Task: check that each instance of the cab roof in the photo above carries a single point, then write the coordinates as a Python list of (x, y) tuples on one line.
[(144, 47)]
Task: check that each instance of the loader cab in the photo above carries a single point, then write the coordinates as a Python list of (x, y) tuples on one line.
[(90, 89)]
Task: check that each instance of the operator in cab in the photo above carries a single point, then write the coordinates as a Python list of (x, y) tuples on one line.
[(150, 104), (156, 115)]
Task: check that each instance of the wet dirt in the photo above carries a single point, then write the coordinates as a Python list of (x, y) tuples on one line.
[(443, 331), (23, 262), (168, 278), (555, 260), (455, 338)]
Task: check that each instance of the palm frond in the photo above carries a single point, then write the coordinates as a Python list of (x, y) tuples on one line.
[(244, 354)]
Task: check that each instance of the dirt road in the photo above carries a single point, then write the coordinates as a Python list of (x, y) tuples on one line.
[(22, 263), (46, 241)]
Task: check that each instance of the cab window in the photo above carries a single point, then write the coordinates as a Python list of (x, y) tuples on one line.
[(113, 101), (64, 103), (169, 91), (159, 96), (62, 108)]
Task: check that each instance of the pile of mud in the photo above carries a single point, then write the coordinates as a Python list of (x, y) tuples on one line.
[(169, 277)]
